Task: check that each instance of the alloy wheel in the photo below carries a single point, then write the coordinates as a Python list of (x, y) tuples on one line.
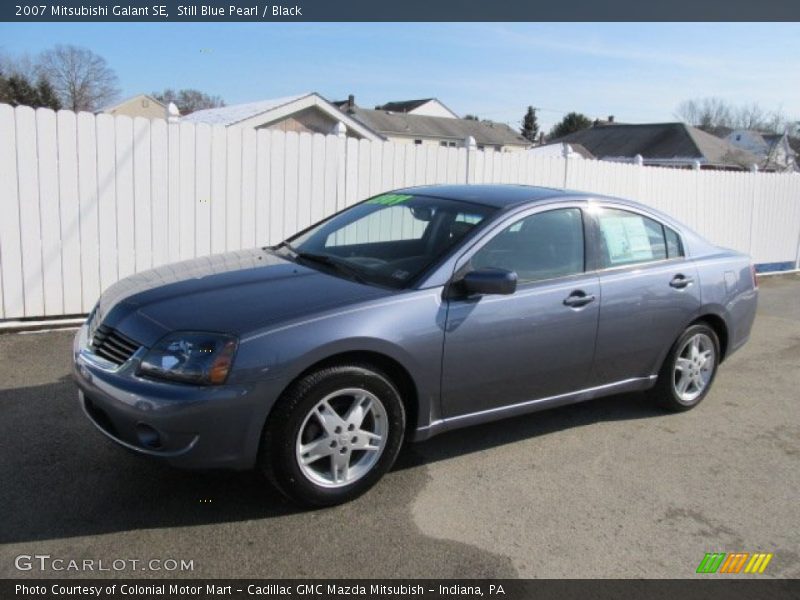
[(342, 437), (694, 367)]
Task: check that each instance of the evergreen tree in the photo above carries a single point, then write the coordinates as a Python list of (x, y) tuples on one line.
[(530, 125), (569, 124), (21, 92), (17, 90), (47, 94), (5, 98)]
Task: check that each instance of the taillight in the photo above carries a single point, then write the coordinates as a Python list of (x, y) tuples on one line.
[(755, 276)]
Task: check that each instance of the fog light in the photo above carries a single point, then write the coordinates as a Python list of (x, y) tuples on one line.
[(148, 436)]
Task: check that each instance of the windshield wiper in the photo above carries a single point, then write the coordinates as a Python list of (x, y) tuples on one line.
[(329, 261)]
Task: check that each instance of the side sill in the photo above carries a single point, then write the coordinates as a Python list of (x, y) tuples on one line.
[(530, 406)]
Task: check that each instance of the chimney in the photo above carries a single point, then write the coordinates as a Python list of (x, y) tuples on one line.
[(610, 118), (351, 103)]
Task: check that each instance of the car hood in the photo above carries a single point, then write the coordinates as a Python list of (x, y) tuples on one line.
[(236, 292)]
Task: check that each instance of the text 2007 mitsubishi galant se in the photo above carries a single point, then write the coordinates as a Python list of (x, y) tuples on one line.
[(411, 313)]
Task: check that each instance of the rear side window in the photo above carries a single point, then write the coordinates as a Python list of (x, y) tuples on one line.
[(628, 238), (674, 245)]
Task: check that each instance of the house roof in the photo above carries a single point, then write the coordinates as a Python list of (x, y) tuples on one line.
[(236, 113), (111, 107), (404, 105), (560, 149), (407, 106), (665, 141), (772, 138), (403, 124), (264, 112), (582, 150)]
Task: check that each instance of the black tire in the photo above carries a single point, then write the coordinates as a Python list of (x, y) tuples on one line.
[(278, 458), (665, 392)]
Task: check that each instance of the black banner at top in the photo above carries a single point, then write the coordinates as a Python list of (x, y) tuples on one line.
[(156, 11)]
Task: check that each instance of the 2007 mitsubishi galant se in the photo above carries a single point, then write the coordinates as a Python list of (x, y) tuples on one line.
[(409, 314)]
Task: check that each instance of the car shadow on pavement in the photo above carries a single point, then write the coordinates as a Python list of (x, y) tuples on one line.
[(61, 478), (622, 407)]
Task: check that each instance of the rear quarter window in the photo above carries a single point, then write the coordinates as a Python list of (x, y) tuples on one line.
[(674, 244)]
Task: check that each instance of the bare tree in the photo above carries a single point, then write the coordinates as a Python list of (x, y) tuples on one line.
[(81, 79), (706, 113), (189, 100), (18, 64), (714, 115), (750, 116)]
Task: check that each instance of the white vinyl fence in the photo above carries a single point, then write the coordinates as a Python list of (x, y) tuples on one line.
[(88, 199)]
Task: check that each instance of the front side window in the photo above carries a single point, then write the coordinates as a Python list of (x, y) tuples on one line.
[(628, 238), (545, 245), (389, 239)]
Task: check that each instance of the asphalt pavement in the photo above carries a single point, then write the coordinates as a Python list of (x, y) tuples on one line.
[(610, 488)]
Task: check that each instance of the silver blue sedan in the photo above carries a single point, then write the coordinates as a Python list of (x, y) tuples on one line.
[(414, 312)]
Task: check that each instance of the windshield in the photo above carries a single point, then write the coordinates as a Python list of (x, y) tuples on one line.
[(387, 240)]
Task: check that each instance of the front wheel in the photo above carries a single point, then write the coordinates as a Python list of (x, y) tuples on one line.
[(689, 369), (333, 435)]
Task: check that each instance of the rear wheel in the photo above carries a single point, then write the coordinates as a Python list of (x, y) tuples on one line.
[(689, 369), (333, 435)]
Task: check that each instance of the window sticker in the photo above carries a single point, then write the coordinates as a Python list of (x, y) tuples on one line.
[(389, 199), (626, 239)]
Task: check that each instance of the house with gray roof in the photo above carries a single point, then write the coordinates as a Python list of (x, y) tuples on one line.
[(307, 112), (561, 150), (407, 127), (312, 113), (427, 107), (141, 105), (661, 144), (773, 149)]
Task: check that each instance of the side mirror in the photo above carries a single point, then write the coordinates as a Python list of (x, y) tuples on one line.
[(490, 281)]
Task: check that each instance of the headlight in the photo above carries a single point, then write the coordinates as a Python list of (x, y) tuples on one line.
[(200, 358)]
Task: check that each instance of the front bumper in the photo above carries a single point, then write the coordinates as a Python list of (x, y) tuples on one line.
[(186, 425)]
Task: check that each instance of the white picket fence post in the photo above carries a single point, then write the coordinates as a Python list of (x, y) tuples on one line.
[(88, 199)]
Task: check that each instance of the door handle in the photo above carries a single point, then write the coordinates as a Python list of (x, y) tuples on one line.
[(577, 299), (681, 281)]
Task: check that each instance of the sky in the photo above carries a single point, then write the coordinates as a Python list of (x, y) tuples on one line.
[(638, 72)]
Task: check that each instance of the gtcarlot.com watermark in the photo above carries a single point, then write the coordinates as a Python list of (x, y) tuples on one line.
[(46, 562)]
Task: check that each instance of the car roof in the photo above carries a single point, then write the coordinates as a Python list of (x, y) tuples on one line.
[(500, 196), (510, 195)]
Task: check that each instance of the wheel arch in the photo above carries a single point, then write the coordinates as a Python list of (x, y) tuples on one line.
[(720, 327), (389, 366)]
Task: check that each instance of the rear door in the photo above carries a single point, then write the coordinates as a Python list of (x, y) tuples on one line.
[(649, 293), (535, 343)]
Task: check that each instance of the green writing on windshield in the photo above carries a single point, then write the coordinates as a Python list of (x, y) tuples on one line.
[(389, 199)]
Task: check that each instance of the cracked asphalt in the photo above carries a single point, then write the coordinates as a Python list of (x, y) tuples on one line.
[(611, 488)]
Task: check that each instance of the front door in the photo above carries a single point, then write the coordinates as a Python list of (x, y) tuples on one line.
[(535, 343)]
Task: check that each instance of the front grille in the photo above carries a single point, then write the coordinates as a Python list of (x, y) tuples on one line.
[(112, 345)]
